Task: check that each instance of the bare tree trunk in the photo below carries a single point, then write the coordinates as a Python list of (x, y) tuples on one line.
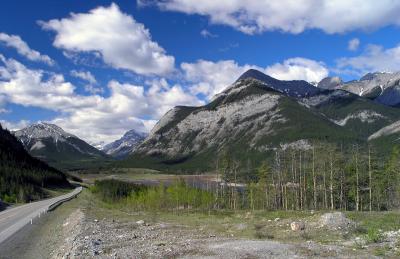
[(314, 179), (234, 193), (218, 185), (370, 178), (325, 192), (305, 182), (357, 183), (300, 183), (331, 184)]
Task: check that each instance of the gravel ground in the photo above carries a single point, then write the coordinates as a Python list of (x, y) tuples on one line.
[(87, 237)]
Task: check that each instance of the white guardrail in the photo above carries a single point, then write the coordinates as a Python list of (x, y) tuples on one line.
[(14, 220)]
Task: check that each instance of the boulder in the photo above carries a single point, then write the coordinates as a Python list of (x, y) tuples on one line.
[(336, 221), (297, 226), (140, 222)]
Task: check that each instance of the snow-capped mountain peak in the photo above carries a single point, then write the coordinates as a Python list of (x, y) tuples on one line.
[(125, 145), (43, 130)]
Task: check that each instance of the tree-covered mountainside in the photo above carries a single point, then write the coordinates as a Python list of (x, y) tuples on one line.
[(58, 148), (22, 177), (255, 116)]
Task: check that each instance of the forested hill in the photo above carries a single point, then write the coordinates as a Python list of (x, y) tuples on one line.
[(22, 177)]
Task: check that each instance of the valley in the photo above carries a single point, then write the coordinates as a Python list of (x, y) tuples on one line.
[(89, 227), (267, 169)]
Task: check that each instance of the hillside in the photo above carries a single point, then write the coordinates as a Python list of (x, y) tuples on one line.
[(22, 177), (58, 148), (255, 116)]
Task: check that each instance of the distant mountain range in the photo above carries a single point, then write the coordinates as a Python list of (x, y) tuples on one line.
[(63, 150), (53, 145), (381, 87), (124, 146), (258, 113)]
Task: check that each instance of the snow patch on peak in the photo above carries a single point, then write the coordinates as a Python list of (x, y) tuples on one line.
[(43, 130), (38, 145)]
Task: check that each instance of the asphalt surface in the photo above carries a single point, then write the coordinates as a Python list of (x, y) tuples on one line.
[(14, 219)]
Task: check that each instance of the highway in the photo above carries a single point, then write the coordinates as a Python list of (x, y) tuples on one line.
[(12, 220)]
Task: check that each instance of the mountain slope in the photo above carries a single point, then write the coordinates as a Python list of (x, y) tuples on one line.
[(22, 176), (249, 119), (52, 144), (256, 115), (294, 88), (125, 145), (355, 113), (383, 87)]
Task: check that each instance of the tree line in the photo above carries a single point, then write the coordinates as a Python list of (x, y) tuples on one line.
[(322, 177)]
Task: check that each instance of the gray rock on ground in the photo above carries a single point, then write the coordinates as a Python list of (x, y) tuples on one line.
[(336, 221)]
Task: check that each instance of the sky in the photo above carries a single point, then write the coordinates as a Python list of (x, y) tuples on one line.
[(100, 68)]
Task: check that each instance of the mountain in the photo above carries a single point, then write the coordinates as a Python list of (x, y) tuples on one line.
[(253, 117), (22, 177), (60, 149), (294, 88), (124, 146), (382, 87), (330, 83)]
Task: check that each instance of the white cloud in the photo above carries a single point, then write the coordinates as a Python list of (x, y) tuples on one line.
[(207, 34), (353, 44), (298, 69), (374, 58), (210, 78), (27, 87), (254, 16), (14, 41), (94, 118), (14, 125), (84, 75), (116, 37)]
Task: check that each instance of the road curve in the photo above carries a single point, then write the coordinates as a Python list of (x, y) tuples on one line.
[(14, 219)]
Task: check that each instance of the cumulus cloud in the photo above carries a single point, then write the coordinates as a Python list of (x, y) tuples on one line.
[(353, 44), (298, 69), (84, 75), (94, 118), (374, 58), (15, 41), (115, 37), (210, 78), (254, 16)]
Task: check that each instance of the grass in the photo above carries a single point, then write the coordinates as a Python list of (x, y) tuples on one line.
[(384, 221)]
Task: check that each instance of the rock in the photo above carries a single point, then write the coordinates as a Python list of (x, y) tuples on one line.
[(277, 219), (297, 226), (140, 222), (335, 221)]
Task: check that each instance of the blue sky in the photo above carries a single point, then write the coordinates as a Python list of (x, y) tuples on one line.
[(100, 68)]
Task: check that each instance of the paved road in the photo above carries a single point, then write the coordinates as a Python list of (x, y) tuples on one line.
[(14, 219)]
